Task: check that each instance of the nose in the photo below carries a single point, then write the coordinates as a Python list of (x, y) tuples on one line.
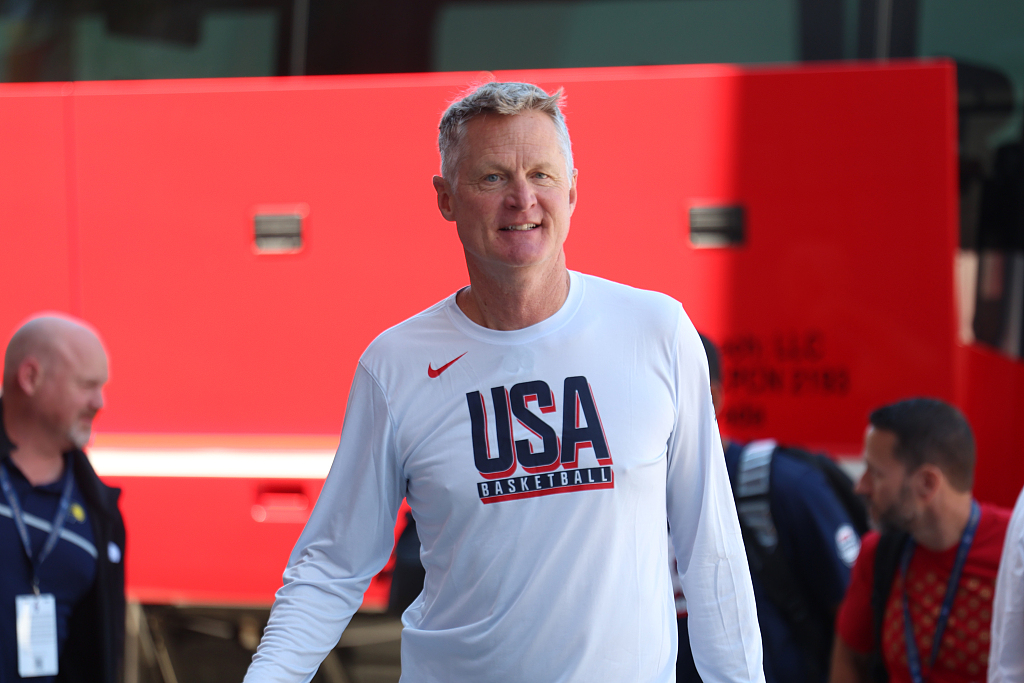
[(96, 401), (520, 195)]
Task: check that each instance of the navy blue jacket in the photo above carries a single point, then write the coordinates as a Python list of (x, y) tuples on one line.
[(93, 651), (814, 536)]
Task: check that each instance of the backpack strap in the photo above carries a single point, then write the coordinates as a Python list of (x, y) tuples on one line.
[(752, 486), (887, 560), (751, 489)]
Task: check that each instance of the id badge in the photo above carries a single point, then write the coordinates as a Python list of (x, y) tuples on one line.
[(37, 634)]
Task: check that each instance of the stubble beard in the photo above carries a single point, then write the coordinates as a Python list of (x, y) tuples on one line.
[(899, 515), (79, 434)]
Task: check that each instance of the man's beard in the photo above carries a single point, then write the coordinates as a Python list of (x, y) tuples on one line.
[(899, 515), (80, 433)]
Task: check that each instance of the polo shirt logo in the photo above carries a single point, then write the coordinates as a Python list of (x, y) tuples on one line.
[(77, 512)]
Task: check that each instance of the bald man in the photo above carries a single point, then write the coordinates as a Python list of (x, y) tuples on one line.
[(61, 533)]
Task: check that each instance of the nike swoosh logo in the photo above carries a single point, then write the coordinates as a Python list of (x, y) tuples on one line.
[(432, 373)]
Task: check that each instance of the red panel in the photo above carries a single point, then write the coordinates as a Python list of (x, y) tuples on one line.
[(993, 399), (194, 540), (847, 280), (206, 335), (35, 259)]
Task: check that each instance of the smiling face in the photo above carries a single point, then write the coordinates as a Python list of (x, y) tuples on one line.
[(513, 197), (886, 484)]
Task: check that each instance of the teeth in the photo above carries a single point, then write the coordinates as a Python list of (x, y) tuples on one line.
[(522, 226)]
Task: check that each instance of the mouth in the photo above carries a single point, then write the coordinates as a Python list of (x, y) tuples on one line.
[(522, 227)]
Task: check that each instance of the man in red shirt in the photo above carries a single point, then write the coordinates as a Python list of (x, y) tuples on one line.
[(928, 617)]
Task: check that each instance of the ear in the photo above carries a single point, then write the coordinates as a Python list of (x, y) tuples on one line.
[(927, 481), (572, 191), (30, 374), (445, 198)]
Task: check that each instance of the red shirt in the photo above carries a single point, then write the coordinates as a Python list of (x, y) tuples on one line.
[(963, 655)]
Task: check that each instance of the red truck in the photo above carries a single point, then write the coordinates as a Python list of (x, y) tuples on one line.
[(239, 242)]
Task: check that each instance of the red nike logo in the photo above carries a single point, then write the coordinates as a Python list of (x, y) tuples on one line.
[(432, 373)]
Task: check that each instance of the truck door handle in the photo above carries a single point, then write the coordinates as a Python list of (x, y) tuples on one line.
[(288, 507)]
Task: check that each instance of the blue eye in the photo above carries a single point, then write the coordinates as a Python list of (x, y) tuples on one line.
[(491, 177)]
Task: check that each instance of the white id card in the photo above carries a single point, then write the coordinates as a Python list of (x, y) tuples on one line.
[(37, 634)]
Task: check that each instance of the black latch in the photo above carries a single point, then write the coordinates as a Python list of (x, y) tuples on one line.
[(278, 233), (717, 226)]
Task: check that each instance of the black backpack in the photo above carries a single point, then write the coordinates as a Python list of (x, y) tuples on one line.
[(751, 488)]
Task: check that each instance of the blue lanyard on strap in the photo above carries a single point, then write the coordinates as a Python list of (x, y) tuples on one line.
[(19, 521), (913, 656)]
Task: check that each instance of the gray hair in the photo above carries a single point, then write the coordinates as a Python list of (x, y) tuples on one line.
[(507, 99)]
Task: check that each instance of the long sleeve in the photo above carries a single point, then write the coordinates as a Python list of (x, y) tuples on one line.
[(346, 541), (724, 633), (1006, 658)]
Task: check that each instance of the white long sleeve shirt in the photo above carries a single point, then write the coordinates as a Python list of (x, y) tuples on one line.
[(540, 465), (1006, 656)]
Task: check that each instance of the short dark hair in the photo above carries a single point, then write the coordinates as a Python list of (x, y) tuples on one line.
[(714, 368), (930, 431)]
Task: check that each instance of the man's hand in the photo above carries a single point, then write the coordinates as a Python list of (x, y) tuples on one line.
[(848, 666)]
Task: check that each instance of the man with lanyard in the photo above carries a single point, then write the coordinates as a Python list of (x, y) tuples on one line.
[(542, 424), (919, 604), (61, 534)]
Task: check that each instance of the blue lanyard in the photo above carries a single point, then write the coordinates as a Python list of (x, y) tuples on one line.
[(913, 656), (19, 519)]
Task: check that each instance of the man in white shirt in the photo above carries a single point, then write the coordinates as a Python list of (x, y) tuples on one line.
[(541, 423)]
